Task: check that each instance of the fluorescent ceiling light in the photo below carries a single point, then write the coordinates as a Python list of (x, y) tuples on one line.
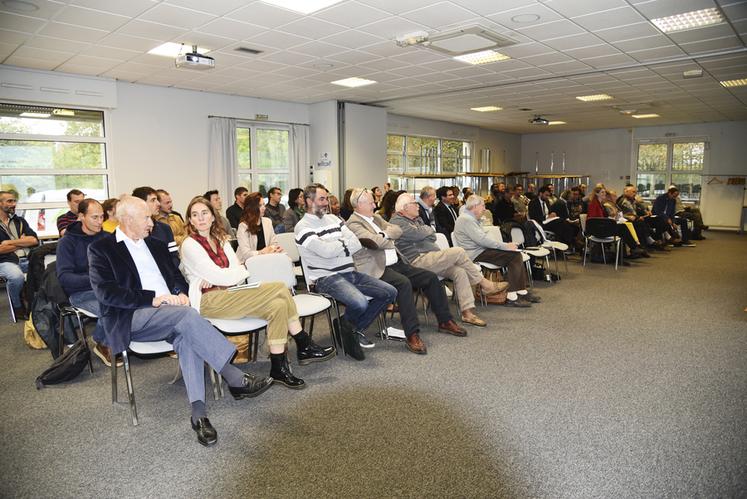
[(353, 82), (63, 112), (486, 109), (556, 123), (689, 20), (483, 57), (734, 83), (34, 115), (171, 49), (650, 115), (594, 98), (302, 6)]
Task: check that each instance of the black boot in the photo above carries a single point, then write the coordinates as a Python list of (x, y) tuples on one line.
[(281, 372), (308, 351)]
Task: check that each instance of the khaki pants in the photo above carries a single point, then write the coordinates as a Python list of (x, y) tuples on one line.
[(454, 264), (271, 301)]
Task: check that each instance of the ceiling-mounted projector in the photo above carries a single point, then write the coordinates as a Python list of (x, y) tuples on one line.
[(194, 60), (538, 120)]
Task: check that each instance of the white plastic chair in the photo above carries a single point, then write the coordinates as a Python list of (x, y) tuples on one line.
[(517, 236), (287, 241), (614, 240), (554, 246)]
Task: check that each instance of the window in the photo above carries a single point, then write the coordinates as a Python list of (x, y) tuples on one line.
[(45, 152), (263, 157), (427, 155), (664, 163)]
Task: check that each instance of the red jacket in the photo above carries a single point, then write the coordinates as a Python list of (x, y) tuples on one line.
[(596, 210)]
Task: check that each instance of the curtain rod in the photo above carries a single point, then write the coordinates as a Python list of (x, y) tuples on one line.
[(260, 121)]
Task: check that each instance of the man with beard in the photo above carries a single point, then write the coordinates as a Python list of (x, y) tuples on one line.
[(16, 237)]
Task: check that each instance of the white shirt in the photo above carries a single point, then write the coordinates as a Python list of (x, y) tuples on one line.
[(390, 254), (147, 268)]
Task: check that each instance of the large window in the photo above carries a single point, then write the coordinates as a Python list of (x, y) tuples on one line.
[(263, 156), (427, 155), (45, 152), (669, 162)]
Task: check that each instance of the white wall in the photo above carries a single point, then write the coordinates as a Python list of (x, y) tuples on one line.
[(365, 146), (323, 139)]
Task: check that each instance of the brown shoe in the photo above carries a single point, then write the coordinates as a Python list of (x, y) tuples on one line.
[(102, 352), (497, 287), (452, 327), (471, 318), (416, 345)]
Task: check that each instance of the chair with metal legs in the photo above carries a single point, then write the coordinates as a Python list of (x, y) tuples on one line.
[(10, 301), (66, 310)]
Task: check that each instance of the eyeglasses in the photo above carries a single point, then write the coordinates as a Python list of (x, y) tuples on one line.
[(358, 197)]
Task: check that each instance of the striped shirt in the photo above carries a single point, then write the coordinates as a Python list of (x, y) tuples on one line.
[(326, 246)]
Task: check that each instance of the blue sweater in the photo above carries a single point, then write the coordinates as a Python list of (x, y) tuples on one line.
[(72, 258)]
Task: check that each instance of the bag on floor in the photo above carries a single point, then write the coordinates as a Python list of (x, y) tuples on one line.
[(31, 337), (242, 344), (66, 367)]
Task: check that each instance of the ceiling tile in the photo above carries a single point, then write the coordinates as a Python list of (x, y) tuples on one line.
[(393, 27), (566, 67), (231, 29), (398, 6), (595, 51), (6, 49), (573, 8), (129, 42), (43, 54), (89, 18), (46, 42), (319, 49), (440, 14), (277, 39), (14, 37), (647, 42), (45, 9), (30, 62), (176, 16), (204, 40), (488, 7), (706, 33), (20, 23), (524, 50), (97, 50), (215, 7), (573, 42), (286, 57), (712, 45), (628, 32), (100, 63), (312, 28), (663, 8), (609, 19), (67, 31), (351, 14), (264, 15), (129, 8), (373, 44), (555, 29), (545, 15), (608, 61), (151, 30), (657, 53)]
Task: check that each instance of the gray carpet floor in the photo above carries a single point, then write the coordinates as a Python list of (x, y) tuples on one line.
[(620, 384)]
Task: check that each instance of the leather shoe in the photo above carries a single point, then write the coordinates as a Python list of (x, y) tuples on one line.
[(497, 287), (472, 319), (530, 297), (102, 352), (281, 373), (517, 303), (314, 353), (206, 434), (416, 345), (251, 386), (452, 327)]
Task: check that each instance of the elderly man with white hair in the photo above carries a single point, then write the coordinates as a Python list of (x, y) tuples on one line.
[(480, 247), (418, 245)]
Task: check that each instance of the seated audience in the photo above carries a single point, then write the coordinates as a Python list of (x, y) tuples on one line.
[(16, 237), (377, 196), (387, 204), (690, 213), (255, 234), (167, 215), (296, 209), (425, 203), (418, 245), (665, 207), (159, 230), (379, 259), (74, 197), (480, 247), (531, 191), (346, 209), (456, 202), (444, 212), (502, 208), (327, 247), (233, 213), (275, 209), (466, 193), (520, 202), (208, 258), (634, 212), (110, 215), (72, 267), (334, 206), (575, 203), (601, 207), (539, 210), (217, 203), (148, 301)]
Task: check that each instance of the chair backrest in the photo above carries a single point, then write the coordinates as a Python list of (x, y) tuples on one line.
[(494, 233), (601, 227), (517, 236), (583, 217), (441, 241), (540, 231), (287, 241), (273, 267)]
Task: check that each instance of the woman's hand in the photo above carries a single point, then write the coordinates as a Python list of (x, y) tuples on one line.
[(270, 249)]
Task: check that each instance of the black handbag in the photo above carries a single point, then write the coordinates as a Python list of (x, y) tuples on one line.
[(66, 367)]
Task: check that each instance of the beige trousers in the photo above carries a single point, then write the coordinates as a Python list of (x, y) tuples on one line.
[(271, 301), (454, 264)]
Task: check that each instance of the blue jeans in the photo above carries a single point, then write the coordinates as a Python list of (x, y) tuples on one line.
[(279, 229), (13, 274), (354, 290), (87, 301)]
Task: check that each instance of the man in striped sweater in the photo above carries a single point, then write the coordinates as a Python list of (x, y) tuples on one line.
[(326, 247)]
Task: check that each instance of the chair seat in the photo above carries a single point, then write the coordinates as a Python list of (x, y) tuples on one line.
[(243, 325), (311, 304), (539, 252), (555, 245), (610, 239), (489, 266), (85, 312), (525, 257), (150, 347)]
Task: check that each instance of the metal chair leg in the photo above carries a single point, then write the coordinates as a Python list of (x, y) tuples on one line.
[(114, 382), (213, 375), (85, 339), (10, 302), (130, 389), (336, 342)]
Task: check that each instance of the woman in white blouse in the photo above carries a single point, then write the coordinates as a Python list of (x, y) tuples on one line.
[(255, 233), (207, 257)]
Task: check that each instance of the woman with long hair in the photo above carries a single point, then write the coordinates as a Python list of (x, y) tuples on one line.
[(377, 196), (296, 209), (255, 233), (207, 257), (346, 209), (387, 204), (597, 201), (110, 220)]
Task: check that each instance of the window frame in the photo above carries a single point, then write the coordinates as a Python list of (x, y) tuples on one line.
[(253, 171), (669, 172), (464, 162)]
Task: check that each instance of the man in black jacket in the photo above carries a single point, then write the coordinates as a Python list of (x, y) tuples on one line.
[(444, 212), (233, 213), (542, 213)]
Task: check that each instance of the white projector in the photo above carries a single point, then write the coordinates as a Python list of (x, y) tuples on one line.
[(193, 60)]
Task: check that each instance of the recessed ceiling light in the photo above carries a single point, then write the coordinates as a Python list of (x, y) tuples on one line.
[(483, 57), (556, 123), (486, 109), (594, 98), (642, 116), (692, 73), (353, 82), (34, 115), (171, 49), (63, 112), (525, 18), (734, 83), (689, 20), (20, 6), (302, 6)]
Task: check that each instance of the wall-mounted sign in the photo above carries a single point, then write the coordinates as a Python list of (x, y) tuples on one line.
[(324, 161)]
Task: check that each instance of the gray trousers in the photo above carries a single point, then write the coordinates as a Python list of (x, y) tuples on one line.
[(194, 339)]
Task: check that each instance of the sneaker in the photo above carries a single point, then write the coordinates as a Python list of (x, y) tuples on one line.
[(688, 244), (363, 341), (517, 303), (102, 352)]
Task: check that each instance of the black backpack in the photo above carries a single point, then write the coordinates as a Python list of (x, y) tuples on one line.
[(66, 367)]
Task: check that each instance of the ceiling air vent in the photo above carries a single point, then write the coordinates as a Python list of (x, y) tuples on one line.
[(247, 50), (467, 40)]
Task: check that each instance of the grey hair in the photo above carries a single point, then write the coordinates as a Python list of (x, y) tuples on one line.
[(473, 201), (128, 206), (427, 191), (403, 200), (355, 196)]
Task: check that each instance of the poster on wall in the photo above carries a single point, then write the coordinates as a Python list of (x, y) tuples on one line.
[(325, 162)]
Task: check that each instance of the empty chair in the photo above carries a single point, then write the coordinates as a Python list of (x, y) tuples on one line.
[(601, 231)]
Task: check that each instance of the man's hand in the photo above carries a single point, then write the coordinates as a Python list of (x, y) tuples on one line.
[(175, 300), (512, 246)]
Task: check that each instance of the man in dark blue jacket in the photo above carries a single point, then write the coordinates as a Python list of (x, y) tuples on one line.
[(72, 266), (664, 206), (143, 297)]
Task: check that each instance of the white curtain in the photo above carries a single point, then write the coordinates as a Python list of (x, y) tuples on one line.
[(222, 169), (298, 176)]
